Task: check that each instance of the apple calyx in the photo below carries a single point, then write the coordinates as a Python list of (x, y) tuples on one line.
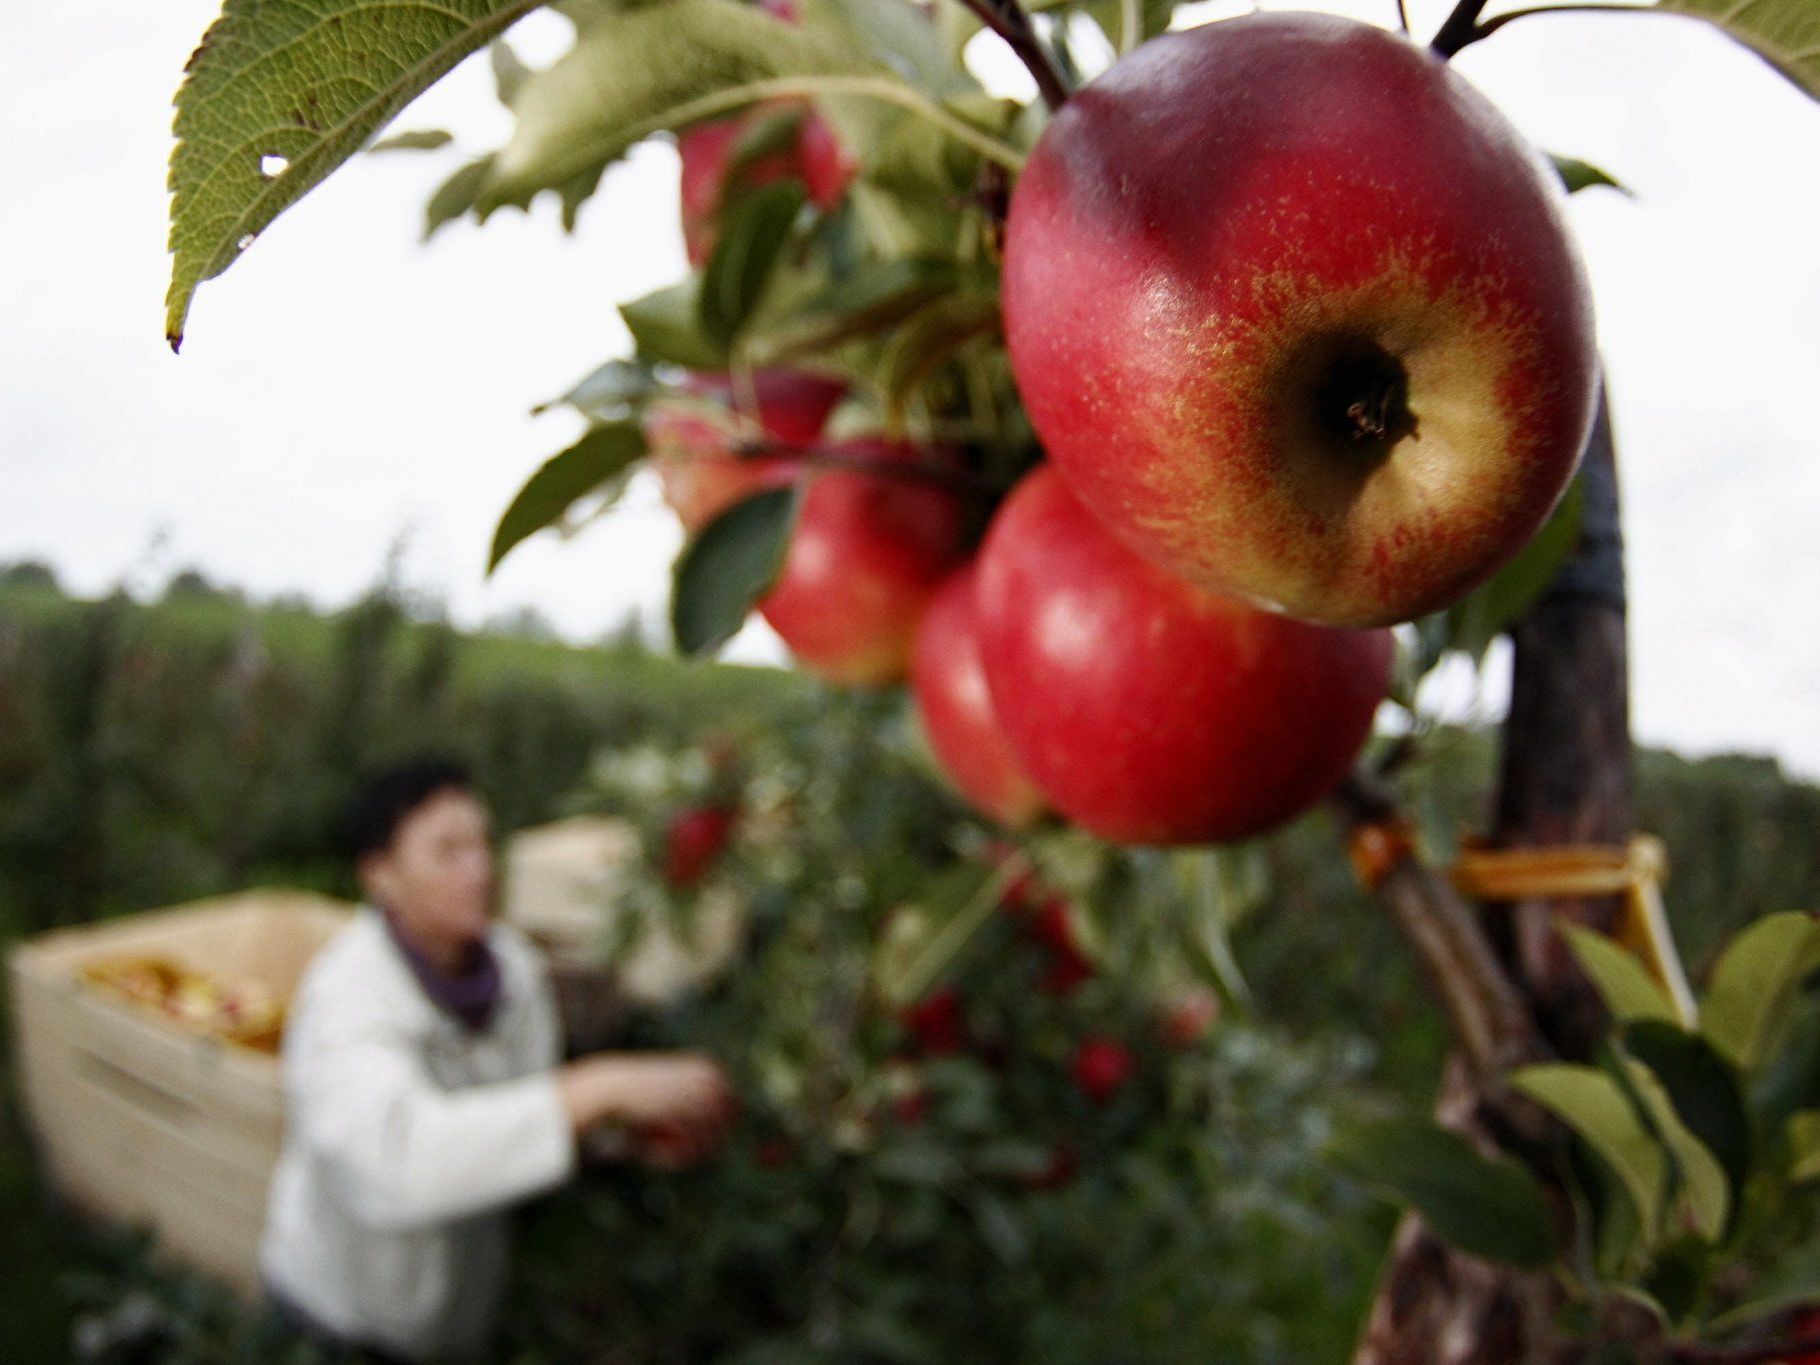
[(1363, 397)]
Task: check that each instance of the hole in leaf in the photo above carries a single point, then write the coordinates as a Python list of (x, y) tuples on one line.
[(271, 165)]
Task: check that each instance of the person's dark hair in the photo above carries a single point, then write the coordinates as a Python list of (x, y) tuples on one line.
[(385, 799)]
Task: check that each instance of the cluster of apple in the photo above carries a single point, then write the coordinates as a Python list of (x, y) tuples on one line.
[(201, 1002), (1099, 1065), (1295, 318)]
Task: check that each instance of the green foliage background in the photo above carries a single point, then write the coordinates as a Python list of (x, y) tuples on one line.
[(149, 754)]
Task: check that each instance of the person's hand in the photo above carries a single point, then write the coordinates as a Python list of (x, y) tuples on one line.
[(684, 1097)]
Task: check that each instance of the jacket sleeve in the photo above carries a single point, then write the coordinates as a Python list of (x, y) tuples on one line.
[(405, 1151), (541, 1041)]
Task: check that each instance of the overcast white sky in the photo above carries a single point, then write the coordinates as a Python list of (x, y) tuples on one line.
[(342, 383)]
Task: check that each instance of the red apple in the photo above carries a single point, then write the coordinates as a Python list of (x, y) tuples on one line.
[(1186, 1018), (1101, 1067), (708, 153), (669, 1146), (867, 554), (1064, 975), (1151, 711), (1804, 1326), (1295, 311), (715, 164), (955, 709), (693, 436), (823, 162), (936, 1022), (693, 841)]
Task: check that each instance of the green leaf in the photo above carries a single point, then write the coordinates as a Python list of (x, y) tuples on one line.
[(1000, 1229), (1753, 987), (1677, 1279), (916, 1166), (746, 253), (664, 328), (1703, 1089), (928, 340), (1012, 1158), (1703, 1193), (1228, 884), (725, 569), (564, 479), (1596, 1107), (455, 196), (1110, 16), (607, 392), (1477, 620), (1804, 1145), (899, 34), (764, 132), (509, 73), (1579, 175), (416, 140), (870, 301), (1790, 1281), (278, 95), (1490, 1207), (1620, 977), (922, 940), (1785, 33), (630, 75)]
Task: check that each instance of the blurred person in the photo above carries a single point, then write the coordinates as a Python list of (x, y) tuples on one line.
[(424, 1094)]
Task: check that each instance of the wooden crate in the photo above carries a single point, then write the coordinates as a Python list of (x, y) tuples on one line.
[(140, 1120)]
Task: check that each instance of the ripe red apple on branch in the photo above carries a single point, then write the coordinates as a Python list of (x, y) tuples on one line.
[(1101, 1067), (718, 161), (716, 166), (1149, 710), (955, 708), (937, 1022), (866, 555), (1294, 309), (694, 437)]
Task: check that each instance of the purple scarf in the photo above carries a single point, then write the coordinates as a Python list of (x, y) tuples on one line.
[(471, 995)]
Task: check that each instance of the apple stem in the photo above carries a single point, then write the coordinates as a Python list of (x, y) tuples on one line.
[(1008, 19), (1461, 28)]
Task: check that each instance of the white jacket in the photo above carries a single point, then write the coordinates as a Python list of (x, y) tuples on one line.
[(406, 1138)]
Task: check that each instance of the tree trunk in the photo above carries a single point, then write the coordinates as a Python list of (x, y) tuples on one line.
[(1566, 778)]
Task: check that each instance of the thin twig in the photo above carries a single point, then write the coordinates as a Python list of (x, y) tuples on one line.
[(1491, 26), (1461, 28), (1008, 19), (1403, 16)]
